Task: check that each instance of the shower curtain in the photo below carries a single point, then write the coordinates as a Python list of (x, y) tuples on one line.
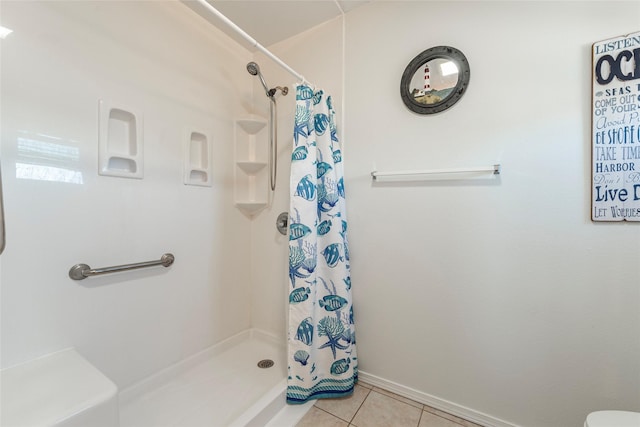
[(322, 359)]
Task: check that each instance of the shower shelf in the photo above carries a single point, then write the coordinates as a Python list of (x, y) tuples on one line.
[(251, 207), (250, 179), (251, 168), (252, 125)]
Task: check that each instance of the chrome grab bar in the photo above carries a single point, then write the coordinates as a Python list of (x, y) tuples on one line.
[(2, 231), (82, 271)]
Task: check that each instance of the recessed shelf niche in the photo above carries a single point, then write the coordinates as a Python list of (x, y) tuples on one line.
[(197, 156), (250, 176), (120, 141)]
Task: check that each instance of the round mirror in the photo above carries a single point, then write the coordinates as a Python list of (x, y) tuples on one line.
[(434, 80)]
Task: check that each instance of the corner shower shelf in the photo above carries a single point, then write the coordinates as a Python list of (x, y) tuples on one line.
[(251, 168), (252, 125), (250, 179), (251, 208)]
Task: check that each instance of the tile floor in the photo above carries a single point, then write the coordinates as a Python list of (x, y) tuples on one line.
[(374, 407)]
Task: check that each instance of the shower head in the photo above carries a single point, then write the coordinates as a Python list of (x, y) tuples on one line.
[(254, 70)]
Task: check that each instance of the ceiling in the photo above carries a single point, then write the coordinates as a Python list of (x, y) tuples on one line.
[(269, 21)]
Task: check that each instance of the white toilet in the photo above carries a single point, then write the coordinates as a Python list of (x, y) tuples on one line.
[(613, 419)]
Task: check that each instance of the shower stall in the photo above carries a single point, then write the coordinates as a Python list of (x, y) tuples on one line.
[(156, 92)]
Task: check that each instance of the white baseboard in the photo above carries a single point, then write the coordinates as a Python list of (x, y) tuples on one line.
[(435, 402)]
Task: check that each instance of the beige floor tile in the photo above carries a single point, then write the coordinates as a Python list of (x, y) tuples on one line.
[(450, 417), (398, 397), (379, 410), (319, 418), (344, 407), (430, 420)]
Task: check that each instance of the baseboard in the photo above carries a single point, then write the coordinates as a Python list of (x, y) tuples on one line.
[(435, 402)]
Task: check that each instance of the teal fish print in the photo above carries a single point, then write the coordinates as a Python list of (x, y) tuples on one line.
[(340, 366), (306, 188), (298, 231), (324, 227), (320, 123), (337, 156), (323, 168), (303, 92), (305, 331), (299, 153), (347, 282), (332, 254), (301, 356), (334, 135), (341, 187), (317, 97), (351, 315), (330, 103), (299, 295), (332, 302)]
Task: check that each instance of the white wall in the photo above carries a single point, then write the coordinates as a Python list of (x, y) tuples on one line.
[(501, 296), (178, 71)]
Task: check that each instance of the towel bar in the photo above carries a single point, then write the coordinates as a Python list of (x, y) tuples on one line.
[(495, 169)]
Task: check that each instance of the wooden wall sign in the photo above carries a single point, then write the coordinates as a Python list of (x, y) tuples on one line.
[(616, 129)]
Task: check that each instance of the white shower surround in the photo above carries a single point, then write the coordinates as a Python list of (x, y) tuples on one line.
[(177, 72)]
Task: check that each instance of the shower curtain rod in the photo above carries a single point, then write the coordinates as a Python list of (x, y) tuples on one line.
[(253, 41)]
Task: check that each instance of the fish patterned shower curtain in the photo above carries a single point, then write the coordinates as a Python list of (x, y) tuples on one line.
[(322, 359)]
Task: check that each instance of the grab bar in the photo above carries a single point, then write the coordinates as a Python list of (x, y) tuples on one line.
[(82, 271), (3, 240)]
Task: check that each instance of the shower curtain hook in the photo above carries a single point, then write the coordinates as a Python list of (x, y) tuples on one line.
[(307, 83)]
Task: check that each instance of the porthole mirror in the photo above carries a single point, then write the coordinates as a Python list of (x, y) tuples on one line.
[(435, 80)]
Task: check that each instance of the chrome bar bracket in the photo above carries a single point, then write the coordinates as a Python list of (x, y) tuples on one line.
[(282, 222), (82, 271)]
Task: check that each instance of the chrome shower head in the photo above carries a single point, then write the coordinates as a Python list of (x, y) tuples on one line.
[(254, 70)]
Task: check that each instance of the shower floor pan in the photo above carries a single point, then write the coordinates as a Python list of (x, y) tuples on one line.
[(221, 386)]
